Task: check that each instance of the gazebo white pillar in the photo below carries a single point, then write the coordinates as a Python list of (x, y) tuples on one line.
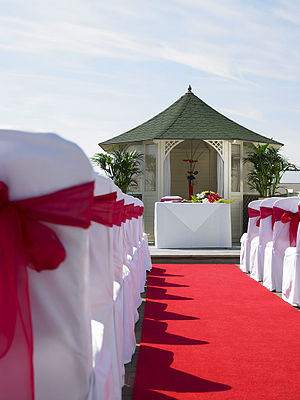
[(227, 169), (164, 148), (160, 167)]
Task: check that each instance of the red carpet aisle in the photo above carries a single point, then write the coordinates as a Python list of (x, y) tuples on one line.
[(211, 332)]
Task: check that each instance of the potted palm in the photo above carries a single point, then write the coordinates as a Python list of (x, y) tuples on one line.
[(267, 169), (121, 166)]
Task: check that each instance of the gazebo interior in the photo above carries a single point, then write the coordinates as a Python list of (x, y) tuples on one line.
[(206, 166)]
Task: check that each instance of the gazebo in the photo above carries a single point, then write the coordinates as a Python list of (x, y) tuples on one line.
[(190, 129)]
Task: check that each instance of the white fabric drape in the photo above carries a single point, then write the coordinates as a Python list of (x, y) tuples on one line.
[(167, 176), (291, 273), (274, 251), (60, 298), (220, 175), (258, 244)]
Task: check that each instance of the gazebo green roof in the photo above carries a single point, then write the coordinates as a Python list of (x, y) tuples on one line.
[(189, 118)]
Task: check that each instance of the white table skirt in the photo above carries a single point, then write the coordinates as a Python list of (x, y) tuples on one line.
[(190, 225)]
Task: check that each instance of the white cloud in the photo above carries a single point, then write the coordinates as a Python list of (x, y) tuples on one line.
[(289, 11), (246, 112), (237, 49), (58, 37), (223, 9), (200, 59)]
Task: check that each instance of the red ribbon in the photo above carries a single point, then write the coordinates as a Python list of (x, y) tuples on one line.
[(107, 211), (25, 241), (131, 211), (125, 212), (118, 214), (288, 217), (103, 209), (138, 211), (254, 213), (267, 212)]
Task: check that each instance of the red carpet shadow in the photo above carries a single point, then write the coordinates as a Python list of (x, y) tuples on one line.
[(157, 311), (161, 294), (155, 332), (157, 281), (159, 375), (155, 271)]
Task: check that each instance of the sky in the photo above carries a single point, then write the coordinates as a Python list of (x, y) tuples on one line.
[(90, 70)]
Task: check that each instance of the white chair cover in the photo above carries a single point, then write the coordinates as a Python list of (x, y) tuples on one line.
[(274, 250), (34, 165), (126, 284), (128, 275), (291, 273), (131, 287), (108, 365), (146, 252), (258, 244), (246, 238), (121, 274)]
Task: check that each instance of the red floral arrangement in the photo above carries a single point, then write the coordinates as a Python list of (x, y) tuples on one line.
[(208, 197)]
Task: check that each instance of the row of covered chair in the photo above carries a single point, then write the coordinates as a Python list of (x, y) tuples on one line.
[(270, 249), (73, 265)]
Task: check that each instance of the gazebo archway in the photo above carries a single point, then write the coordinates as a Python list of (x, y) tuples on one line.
[(209, 166), (206, 167)]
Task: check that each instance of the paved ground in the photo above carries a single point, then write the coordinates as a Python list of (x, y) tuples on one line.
[(131, 367)]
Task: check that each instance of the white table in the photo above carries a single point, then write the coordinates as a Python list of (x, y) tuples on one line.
[(190, 225)]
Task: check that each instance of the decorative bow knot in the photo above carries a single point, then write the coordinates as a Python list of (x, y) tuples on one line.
[(293, 219), (254, 213)]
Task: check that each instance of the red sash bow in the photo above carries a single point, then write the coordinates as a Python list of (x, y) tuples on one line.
[(141, 211), (125, 212), (288, 217), (107, 211), (104, 208), (118, 214), (136, 212), (254, 213), (25, 241), (130, 211), (267, 212)]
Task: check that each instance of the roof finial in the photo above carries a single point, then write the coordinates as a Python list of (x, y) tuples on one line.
[(190, 89)]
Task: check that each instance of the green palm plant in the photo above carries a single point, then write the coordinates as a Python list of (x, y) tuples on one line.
[(268, 167), (121, 166)]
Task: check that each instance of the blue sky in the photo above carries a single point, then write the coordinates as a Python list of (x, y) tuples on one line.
[(92, 69)]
